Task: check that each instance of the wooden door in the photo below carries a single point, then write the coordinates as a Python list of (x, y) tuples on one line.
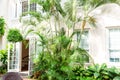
[(25, 56)]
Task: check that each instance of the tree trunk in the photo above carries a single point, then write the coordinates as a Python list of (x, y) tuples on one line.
[(83, 25)]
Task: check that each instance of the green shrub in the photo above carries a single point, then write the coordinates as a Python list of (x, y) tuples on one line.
[(3, 56), (3, 69), (57, 59), (96, 72), (55, 63), (14, 35), (3, 59), (2, 26)]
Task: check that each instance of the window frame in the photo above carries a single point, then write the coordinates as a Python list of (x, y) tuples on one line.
[(30, 6), (75, 39), (33, 6), (108, 44), (27, 4)]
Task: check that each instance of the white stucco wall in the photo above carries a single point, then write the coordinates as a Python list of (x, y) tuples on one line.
[(7, 11), (4, 14), (107, 16)]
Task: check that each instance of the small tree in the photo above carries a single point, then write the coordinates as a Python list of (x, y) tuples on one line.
[(14, 36)]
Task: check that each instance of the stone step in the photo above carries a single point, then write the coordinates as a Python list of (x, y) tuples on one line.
[(24, 74)]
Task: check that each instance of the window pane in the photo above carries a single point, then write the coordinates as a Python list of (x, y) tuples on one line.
[(25, 6), (33, 7), (116, 59), (114, 39), (114, 45), (84, 43), (83, 40), (111, 59)]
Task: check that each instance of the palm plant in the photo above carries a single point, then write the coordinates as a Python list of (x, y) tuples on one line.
[(88, 6), (57, 59), (83, 7), (58, 56), (52, 8)]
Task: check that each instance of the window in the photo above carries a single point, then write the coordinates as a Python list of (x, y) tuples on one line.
[(33, 7), (26, 7), (83, 40), (114, 45)]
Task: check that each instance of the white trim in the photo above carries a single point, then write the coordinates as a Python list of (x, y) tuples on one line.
[(8, 56), (108, 48), (20, 57), (86, 29), (113, 27), (23, 0)]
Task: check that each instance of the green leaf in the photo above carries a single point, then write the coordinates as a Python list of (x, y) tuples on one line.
[(96, 75), (117, 78), (14, 35), (2, 26)]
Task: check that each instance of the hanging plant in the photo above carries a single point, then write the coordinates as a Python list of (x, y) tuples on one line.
[(2, 28), (14, 35)]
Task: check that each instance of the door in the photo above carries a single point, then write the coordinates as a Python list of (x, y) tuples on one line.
[(13, 57), (25, 56)]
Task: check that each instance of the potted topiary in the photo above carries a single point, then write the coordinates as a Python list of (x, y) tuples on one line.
[(14, 36), (2, 26)]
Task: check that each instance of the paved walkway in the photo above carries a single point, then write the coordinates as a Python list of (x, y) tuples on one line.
[(23, 78)]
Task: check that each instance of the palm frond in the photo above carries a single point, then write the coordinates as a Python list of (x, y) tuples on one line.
[(92, 4), (59, 8), (36, 15), (71, 9), (92, 21), (28, 32)]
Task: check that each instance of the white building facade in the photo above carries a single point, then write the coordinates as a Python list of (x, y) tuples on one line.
[(11, 11), (102, 41)]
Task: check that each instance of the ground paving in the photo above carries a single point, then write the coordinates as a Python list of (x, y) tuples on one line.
[(24, 78)]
